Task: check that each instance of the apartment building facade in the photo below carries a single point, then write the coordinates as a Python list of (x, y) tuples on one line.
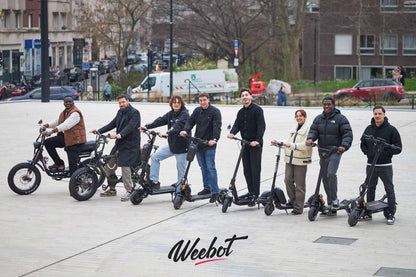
[(359, 39), (20, 38)]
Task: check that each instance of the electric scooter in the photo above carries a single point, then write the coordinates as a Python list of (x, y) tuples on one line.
[(144, 188), (227, 197), (316, 201), (185, 193), (359, 207), (275, 197)]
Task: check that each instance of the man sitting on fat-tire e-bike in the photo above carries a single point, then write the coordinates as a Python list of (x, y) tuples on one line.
[(71, 134)]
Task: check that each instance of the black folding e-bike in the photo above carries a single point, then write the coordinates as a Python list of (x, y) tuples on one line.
[(24, 178), (144, 188)]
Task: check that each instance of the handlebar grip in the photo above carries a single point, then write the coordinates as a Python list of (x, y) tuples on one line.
[(279, 143)]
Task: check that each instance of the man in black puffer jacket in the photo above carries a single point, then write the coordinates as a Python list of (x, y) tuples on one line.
[(381, 128), (177, 145), (330, 128)]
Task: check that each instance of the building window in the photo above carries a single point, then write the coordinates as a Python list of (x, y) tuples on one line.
[(343, 44), (64, 24), (29, 21), (68, 56), (409, 6), (388, 5), (367, 44), (312, 6), (388, 45), (343, 72), (6, 20), (409, 45), (55, 21), (53, 57), (17, 22)]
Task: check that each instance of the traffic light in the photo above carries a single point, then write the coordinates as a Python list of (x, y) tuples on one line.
[(151, 59)]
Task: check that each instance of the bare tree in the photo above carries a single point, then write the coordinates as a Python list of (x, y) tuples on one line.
[(209, 27), (286, 19), (113, 23)]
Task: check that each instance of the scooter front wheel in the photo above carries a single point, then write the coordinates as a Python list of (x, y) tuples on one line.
[(353, 217), (269, 208), (24, 178), (313, 212), (136, 197), (83, 184), (225, 204), (177, 201)]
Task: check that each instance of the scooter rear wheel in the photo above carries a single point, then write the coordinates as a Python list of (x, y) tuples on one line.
[(313, 212), (83, 184), (265, 195), (177, 201), (353, 217), (225, 204), (24, 178), (269, 208)]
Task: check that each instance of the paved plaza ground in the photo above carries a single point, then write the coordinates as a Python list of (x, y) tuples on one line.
[(48, 233)]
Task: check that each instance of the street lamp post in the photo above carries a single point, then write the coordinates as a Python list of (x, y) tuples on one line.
[(44, 50), (171, 51)]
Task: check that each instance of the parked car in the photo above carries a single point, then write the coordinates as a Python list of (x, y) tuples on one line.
[(141, 67), (56, 93), (99, 66), (76, 74), (58, 78), (109, 66), (379, 89)]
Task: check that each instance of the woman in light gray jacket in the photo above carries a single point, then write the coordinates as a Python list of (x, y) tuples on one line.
[(297, 157)]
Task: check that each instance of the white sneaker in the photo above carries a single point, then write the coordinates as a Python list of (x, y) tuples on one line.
[(126, 196), (391, 219)]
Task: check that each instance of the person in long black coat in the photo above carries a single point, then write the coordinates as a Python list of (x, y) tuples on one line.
[(127, 146)]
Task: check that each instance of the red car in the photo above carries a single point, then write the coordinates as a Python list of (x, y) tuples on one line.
[(379, 89)]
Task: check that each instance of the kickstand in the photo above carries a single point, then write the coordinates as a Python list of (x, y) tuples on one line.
[(286, 212)]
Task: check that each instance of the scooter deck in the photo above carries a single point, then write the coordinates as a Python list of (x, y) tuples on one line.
[(164, 189), (200, 197), (289, 207), (377, 205)]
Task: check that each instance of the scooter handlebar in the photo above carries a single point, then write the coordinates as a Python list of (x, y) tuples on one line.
[(242, 140), (380, 141), (199, 140), (279, 144)]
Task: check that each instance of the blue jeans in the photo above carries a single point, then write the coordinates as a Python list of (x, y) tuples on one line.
[(164, 153), (206, 160)]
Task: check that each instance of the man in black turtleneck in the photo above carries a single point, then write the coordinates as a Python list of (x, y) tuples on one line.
[(381, 128), (251, 124)]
